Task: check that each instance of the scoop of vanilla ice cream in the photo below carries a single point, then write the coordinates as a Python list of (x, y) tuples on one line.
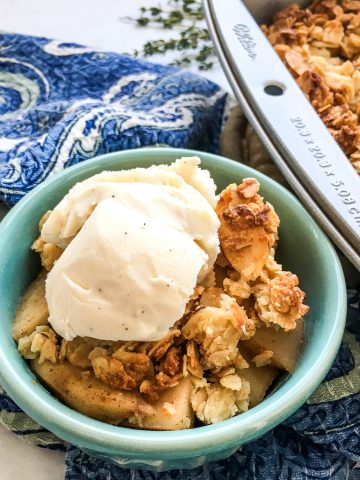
[(136, 244)]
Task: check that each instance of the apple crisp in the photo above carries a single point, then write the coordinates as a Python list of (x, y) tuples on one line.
[(213, 363), (320, 45)]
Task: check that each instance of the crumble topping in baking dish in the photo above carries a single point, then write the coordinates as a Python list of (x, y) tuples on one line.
[(320, 45)]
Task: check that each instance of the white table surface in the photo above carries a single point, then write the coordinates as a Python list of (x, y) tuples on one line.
[(93, 23)]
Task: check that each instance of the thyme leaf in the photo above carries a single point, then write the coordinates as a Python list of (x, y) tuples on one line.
[(192, 39)]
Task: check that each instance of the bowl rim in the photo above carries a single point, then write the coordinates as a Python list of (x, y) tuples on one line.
[(106, 438)]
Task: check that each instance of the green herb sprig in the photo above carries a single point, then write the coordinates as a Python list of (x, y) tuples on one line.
[(192, 40)]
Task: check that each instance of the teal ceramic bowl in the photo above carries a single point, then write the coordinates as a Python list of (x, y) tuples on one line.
[(303, 249)]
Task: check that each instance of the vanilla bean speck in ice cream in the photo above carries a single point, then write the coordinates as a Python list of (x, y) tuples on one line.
[(136, 244)]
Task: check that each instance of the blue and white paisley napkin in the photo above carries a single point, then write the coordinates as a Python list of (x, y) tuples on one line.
[(61, 104)]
